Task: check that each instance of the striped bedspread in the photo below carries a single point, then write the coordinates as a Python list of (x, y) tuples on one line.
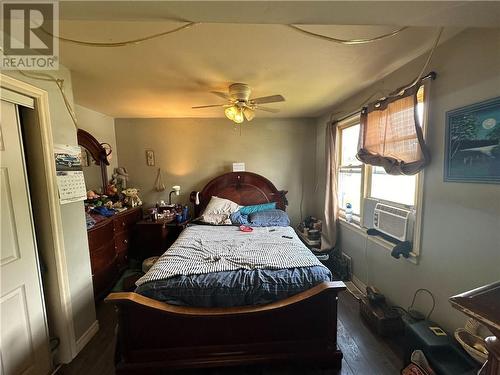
[(204, 249)]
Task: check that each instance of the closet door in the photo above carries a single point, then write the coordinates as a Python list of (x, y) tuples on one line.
[(24, 341)]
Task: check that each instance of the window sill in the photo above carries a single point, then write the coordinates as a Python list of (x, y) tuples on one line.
[(379, 241)]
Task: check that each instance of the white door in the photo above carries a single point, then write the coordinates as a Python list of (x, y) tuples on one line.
[(24, 342)]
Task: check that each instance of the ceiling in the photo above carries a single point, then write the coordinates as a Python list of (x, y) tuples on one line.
[(245, 42)]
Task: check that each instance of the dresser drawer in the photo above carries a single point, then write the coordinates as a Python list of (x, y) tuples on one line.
[(101, 234), (122, 261), (122, 241), (126, 220), (104, 280), (102, 257)]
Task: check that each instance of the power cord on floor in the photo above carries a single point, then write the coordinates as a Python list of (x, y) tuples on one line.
[(414, 314)]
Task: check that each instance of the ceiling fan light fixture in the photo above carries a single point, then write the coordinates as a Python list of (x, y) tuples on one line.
[(249, 113), (230, 112), (239, 106), (238, 116)]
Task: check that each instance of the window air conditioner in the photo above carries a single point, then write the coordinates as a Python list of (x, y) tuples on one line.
[(393, 221)]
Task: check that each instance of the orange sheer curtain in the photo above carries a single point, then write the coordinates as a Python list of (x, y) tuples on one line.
[(391, 136)]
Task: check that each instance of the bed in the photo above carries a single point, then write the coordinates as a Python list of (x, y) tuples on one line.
[(155, 336)]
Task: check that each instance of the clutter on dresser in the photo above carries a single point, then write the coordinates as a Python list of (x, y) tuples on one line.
[(131, 197), (168, 212), (99, 206)]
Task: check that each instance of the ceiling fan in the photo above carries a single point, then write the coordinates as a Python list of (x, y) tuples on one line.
[(240, 106)]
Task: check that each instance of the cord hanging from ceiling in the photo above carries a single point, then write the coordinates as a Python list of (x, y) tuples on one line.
[(400, 91), (60, 85), (122, 43), (348, 41), (60, 82), (191, 24)]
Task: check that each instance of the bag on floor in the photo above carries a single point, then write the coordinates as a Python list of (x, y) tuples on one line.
[(418, 365)]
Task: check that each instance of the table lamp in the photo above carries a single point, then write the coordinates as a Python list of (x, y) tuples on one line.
[(175, 189)]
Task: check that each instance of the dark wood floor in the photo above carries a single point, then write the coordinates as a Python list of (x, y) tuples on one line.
[(364, 352)]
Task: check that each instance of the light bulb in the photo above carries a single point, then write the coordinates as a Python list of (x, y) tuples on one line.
[(238, 116), (230, 112), (249, 113)]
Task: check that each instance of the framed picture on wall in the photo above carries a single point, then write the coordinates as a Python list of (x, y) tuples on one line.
[(150, 158), (472, 152)]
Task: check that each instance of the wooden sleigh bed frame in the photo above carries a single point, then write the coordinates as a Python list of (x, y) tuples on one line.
[(154, 336)]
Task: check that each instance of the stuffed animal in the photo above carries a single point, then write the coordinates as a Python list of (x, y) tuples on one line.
[(118, 204), (111, 190), (92, 195), (131, 197), (120, 178)]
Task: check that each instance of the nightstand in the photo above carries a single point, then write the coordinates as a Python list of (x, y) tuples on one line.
[(311, 244), (153, 238)]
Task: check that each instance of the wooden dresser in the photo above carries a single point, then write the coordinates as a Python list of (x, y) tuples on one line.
[(109, 245)]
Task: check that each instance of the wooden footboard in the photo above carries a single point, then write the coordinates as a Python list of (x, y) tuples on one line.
[(154, 336)]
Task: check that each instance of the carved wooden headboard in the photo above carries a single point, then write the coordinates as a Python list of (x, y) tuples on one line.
[(244, 188)]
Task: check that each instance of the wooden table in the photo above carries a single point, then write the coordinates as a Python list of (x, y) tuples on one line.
[(483, 304)]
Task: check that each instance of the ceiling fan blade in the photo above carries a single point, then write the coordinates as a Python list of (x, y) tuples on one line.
[(265, 109), (268, 99), (223, 95), (208, 106)]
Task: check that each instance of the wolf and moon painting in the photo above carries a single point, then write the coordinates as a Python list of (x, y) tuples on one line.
[(473, 143)]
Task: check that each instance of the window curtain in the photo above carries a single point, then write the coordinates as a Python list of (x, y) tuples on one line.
[(391, 135), (329, 232)]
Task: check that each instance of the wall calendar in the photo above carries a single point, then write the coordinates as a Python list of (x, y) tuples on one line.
[(69, 173)]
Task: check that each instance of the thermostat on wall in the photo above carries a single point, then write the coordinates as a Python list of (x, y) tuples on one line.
[(238, 167)]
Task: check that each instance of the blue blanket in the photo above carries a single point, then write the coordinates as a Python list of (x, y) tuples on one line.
[(235, 288)]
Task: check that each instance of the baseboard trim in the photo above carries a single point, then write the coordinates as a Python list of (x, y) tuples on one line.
[(359, 284), (87, 336)]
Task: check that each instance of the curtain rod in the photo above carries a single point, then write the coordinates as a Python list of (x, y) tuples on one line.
[(431, 75)]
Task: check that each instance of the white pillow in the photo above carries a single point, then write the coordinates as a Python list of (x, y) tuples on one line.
[(218, 211), (216, 219)]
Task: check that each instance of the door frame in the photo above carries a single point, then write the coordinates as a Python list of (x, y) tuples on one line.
[(64, 312)]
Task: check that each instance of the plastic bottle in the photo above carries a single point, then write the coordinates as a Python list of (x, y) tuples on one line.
[(348, 212)]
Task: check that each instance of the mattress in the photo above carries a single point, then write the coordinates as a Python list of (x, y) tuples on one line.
[(221, 266)]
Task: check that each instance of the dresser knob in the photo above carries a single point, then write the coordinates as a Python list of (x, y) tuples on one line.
[(123, 223), (125, 241)]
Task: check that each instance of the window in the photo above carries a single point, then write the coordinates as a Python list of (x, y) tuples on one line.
[(350, 170), (357, 181), (396, 189)]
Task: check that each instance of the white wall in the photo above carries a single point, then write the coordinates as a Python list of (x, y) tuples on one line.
[(102, 127), (72, 214), (461, 221), (193, 151)]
